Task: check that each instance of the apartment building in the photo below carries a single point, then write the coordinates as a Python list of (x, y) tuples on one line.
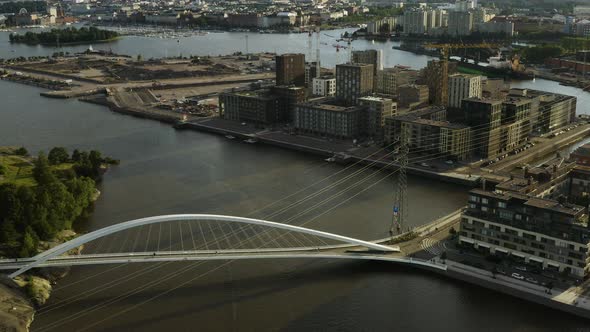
[(377, 109), (463, 86), (354, 81), (327, 117), (324, 86), (539, 232), (250, 106), (290, 69), (389, 80)]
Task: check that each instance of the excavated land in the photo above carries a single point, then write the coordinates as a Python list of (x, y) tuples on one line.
[(103, 69)]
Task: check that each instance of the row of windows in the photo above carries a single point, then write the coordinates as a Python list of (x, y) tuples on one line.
[(560, 257), (496, 231)]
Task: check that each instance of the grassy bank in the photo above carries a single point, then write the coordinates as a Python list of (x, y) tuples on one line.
[(19, 170)]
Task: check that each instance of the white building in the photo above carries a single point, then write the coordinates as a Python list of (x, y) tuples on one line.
[(385, 25), (460, 23), (324, 86), (496, 27), (435, 19), (463, 86), (464, 5), (415, 22), (385, 3), (582, 28), (582, 11), (482, 15)]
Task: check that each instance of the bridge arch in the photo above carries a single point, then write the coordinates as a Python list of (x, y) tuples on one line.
[(74, 243)]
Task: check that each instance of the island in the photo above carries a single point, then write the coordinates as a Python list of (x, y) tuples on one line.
[(65, 36), (41, 198)]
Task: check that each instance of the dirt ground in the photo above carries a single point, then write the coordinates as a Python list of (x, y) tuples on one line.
[(110, 69), (16, 313)]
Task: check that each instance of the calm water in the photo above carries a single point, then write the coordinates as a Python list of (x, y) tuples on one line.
[(226, 43), (167, 171)]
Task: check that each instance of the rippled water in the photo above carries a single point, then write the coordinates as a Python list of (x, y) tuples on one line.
[(167, 171)]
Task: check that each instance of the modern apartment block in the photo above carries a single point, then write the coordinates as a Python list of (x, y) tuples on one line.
[(353, 81), (377, 109), (288, 97), (371, 57), (420, 21), (412, 95), (311, 72), (485, 118), (436, 76), (516, 119), (389, 80), (460, 23), (324, 86), (250, 106), (430, 136), (548, 111), (327, 117), (536, 231), (415, 22), (290, 69), (463, 86)]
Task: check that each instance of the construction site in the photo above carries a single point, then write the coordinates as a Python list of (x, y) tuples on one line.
[(167, 89)]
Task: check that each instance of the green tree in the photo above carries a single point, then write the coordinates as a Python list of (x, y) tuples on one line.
[(76, 156), (21, 151), (8, 234), (29, 245), (538, 54), (42, 171), (95, 159), (58, 155)]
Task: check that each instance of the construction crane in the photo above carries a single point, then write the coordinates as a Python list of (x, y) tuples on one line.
[(445, 50)]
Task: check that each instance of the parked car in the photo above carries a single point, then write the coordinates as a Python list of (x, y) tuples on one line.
[(532, 280), (517, 276), (520, 268)]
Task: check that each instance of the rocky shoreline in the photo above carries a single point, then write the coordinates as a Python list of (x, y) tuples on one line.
[(20, 297)]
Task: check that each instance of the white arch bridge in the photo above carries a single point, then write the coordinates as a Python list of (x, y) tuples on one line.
[(222, 238)]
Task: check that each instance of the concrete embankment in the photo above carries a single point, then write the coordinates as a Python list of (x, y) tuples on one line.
[(510, 286), (72, 93), (498, 282), (53, 74), (45, 84), (297, 144)]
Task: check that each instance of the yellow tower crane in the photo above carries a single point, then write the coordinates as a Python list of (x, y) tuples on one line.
[(445, 50)]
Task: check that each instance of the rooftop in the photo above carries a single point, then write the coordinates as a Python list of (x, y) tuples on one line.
[(483, 100), (541, 203), (329, 104)]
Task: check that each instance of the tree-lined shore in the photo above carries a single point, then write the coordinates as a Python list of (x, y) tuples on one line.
[(65, 36), (42, 196)]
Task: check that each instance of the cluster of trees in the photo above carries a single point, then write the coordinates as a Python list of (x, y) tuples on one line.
[(69, 35), (573, 44), (30, 6), (31, 214), (538, 54)]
